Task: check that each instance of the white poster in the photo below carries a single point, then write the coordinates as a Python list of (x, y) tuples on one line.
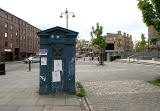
[(57, 65), (43, 60), (56, 76)]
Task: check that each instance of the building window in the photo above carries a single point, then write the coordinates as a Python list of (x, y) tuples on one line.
[(20, 22), (16, 33), (11, 18), (24, 38), (6, 25), (17, 41), (11, 27), (30, 35), (21, 37), (6, 44), (11, 36), (21, 31), (5, 34), (11, 45), (6, 16), (24, 46), (16, 20), (24, 31)]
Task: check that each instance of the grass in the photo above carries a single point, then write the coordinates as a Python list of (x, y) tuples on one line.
[(156, 81), (81, 92)]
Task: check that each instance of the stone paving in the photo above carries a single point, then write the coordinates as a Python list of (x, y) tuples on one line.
[(19, 92), (120, 87)]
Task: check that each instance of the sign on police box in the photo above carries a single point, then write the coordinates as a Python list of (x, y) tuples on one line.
[(43, 52)]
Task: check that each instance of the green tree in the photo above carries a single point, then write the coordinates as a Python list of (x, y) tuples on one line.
[(150, 12), (98, 40), (151, 15), (141, 45)]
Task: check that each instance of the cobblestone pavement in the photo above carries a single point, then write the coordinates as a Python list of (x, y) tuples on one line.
[(120, 87)]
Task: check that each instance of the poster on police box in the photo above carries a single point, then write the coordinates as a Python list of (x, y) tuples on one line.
[(56, 77), (57, 65)]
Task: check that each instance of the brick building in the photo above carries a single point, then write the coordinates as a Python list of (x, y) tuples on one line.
[(18, 39), (152, 33), (119, 41)]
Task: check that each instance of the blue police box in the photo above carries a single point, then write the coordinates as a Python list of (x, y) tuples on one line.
[(57, 60)]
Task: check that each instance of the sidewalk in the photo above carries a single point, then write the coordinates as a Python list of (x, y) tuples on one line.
[(147, 62), (19, 92)]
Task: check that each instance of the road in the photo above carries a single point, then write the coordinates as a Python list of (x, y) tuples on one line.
[(120, 86), (15, 66)]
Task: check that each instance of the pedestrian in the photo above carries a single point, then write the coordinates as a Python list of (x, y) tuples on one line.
[(84, 59), (98, 58)]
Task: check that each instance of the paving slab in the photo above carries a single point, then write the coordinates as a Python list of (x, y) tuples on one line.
[(62, 108), (51, 101), (72, 101), (8, 108), (4, 101), (23, 101), (30, 108)]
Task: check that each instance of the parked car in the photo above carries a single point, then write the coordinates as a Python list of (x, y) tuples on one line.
[(33, 59), (78, 56)]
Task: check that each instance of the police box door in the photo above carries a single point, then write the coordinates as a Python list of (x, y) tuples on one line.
[(57, 85)]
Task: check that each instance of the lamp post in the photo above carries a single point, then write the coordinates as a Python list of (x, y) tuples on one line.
[(66, 13)]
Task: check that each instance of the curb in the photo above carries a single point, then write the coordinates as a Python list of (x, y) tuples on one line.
[(85, 103), (136, 62), (13, 62)]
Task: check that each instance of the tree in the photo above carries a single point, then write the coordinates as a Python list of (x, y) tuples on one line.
[(98, 40), (150, 13), (141, 45)]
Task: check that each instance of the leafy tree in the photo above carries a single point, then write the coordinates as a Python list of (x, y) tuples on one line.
[(151, 13), (98, 40), (141, 45)]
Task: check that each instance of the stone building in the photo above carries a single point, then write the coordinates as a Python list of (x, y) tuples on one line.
[(152, 33), (83, 47), (18, 39), (119, 41)]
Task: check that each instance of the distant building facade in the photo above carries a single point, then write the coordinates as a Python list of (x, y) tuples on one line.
[(18, 39), (152, 33), (119, 41), (83, 46)]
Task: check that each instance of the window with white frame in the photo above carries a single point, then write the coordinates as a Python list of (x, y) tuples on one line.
[(5, 34)]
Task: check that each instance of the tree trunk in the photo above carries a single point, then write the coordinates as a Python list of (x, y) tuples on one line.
[(101, 58)]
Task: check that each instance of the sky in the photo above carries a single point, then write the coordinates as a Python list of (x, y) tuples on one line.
[(113, 15)]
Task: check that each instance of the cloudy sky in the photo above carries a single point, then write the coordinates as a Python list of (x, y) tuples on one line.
[(113, 15)]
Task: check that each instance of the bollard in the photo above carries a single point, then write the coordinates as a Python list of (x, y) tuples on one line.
[(29, 65)]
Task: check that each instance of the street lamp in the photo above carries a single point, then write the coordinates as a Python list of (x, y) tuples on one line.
[(66, 13)]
